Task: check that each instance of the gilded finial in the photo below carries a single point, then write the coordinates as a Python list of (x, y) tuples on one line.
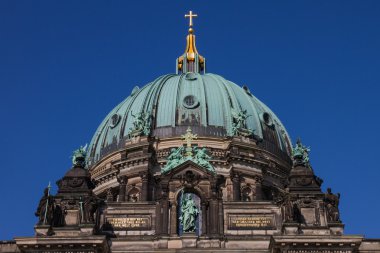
[(191, 60)]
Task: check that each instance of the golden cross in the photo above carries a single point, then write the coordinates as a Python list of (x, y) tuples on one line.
[(188, 137), (191, 16)]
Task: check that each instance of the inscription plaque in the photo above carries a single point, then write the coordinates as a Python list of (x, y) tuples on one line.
[(130, 222), (250, 221)]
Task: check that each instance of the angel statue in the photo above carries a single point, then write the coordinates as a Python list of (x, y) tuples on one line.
[(202, 158), (174, 159)]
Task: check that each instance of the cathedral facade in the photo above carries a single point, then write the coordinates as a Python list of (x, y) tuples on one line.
[(191, 162)]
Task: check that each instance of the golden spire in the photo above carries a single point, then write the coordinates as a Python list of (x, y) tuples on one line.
[(191, 60)]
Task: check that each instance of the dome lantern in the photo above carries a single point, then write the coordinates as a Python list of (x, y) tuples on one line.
[(191, 60)]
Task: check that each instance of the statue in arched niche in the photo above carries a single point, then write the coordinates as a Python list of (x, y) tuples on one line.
[(189, 213), (134, 195), (247, 194)]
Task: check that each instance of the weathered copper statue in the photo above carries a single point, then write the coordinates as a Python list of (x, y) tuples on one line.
[(239, 123), (202, 159), (189, 213)]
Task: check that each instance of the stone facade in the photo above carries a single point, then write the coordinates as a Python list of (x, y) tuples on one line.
[(255, 202)]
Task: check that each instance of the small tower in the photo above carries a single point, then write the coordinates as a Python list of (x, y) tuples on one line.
[(191, 60)]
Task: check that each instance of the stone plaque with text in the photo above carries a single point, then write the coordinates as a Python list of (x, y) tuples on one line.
[(130, 222), (250, 221)]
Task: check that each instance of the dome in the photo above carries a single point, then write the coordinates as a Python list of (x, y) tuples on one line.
[(208, 103)]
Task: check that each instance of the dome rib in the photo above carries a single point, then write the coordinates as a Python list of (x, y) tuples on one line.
[(164, 100)]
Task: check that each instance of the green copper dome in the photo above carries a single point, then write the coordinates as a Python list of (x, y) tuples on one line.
[(208, 103)]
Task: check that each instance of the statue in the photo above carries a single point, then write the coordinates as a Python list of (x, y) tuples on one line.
[(58, 216), (332, 202), (177, 157), (289, 210), (182, 154), (174, 159), (90, 207), (79, 156), (201, 158), (189, 213), (141, 124), (45, 208), (246, 194), (301, 153), (239, 123)]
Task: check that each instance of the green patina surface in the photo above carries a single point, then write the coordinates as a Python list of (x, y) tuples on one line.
[(79, 156), (189, 213), (301, 152), (181, 154), (217, 102)]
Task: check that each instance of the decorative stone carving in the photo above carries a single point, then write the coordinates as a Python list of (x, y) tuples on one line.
[(283, 199), (134, 195), (45, 208), (247, 194), (58, 215), (332, 202), (90, 206)]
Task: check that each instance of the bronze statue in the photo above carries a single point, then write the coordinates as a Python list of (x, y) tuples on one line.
[(189, 213)]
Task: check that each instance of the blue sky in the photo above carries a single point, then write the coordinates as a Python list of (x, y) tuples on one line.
[(65, 64)]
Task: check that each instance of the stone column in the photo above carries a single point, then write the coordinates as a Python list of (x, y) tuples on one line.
[(158, 218), (259, 189), (204, 218), (165, 212), (144, 187), (122, 187), (213, 229), (173, 218), (236, 187), (220, 217)]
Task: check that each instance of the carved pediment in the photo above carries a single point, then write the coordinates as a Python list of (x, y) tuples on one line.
[(181, 170)]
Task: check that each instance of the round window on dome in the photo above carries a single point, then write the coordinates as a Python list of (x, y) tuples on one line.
[(114, 120), (190, 102), (267, 119), (191, 76)]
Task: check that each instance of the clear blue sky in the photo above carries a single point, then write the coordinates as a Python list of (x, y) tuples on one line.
[(65, 64)]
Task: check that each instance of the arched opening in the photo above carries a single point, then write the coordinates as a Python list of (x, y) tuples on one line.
[(189, 213), (134, 195)]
